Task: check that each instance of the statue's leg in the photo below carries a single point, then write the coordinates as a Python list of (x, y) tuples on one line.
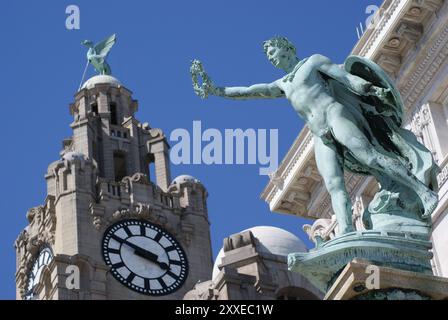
[(107, 69), (331, 170), (348, 133)]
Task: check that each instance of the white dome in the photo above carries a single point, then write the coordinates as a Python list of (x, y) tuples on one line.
[(101, 79), (270, 240), (184, 178)]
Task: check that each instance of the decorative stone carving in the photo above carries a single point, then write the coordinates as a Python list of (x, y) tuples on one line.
[(138, 211), (42, 222), (443, 176), (97, 212), (419, 79), (277, 180), (67, 146), (33, 212), (415, 11), (390, 62), (156, 133), (21, 247), (322, 230), (412, 32), (419, 125), (395, 42), (431, 5), (145, 126), (139, 178), (359, 206)]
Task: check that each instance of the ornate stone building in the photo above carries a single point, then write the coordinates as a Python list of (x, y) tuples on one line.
[(410, 41), (105, 230)]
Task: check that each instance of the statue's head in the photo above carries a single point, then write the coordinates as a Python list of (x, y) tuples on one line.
[(87, 43), (280, 52)]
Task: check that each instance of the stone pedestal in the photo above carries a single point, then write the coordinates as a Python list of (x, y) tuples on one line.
[(360, 280), (399, 250)]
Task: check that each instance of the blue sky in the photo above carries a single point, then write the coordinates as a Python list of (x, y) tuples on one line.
[(42, 63)]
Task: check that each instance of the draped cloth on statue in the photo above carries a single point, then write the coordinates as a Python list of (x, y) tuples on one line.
[(381, 119)]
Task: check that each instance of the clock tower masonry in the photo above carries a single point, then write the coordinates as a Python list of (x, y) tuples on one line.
[(114, 225)]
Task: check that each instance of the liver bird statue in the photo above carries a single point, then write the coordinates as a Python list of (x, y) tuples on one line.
[(97, 54)]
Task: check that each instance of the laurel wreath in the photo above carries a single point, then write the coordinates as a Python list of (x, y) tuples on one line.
[(197, 72)]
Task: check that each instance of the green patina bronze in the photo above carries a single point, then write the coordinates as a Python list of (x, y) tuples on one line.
[(355, 114), (97, 54)]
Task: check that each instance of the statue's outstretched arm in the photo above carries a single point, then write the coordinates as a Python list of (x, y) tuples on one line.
[(354, 83), (206, 88), (257, 91)]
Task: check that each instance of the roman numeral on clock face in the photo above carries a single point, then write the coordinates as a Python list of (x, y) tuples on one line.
[(131, 277), (147, 286), (162, 283), (128, 232), (158, 237), (175, 262), (170, 248), (172, 275), (118, 265), (115, 251)]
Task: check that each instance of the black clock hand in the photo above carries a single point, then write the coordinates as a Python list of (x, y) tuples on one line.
[(151, 257), (146, 254)]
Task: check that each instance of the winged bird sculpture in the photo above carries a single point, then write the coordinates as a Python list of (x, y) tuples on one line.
[(97, 54)]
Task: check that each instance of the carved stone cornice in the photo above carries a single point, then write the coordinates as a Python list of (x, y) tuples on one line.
[(370, 39), (415, 84), (140, 178), (399, 24), (298, 153), (400, 27)]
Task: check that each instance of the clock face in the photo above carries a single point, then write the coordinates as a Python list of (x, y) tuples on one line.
[(43, 259), (144, 257)]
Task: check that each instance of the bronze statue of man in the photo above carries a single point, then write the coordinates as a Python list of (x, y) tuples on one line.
[(356, 123)]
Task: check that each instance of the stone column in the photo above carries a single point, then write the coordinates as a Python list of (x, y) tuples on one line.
[(160, 150)]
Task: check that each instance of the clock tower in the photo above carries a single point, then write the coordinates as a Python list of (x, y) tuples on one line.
[(114, 225)]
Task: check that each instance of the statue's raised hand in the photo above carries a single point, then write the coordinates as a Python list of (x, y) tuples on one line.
[(202, 84)]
